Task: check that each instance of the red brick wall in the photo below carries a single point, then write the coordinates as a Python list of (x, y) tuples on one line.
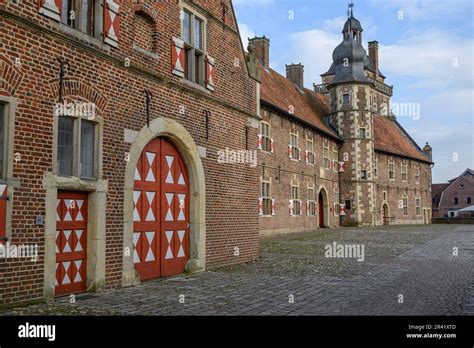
[(231, 212), (291, 172)]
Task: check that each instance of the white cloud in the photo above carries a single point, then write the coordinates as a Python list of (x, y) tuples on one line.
[(246, 32), (430, 56)]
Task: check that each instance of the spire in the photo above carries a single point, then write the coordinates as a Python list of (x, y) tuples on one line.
[(350, 8)]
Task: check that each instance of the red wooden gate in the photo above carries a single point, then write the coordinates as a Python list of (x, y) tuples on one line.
[(161, 212), (321, 210), (71, 242)]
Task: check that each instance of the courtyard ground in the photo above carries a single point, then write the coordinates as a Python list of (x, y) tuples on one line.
[(407, 270)]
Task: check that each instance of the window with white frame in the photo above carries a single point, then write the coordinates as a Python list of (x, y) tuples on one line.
[(311, 202), (295, 151), (310, 149), (346, 99), (265, 134), (194, 36), (83, 15), (266, 198), (417, 173), (418, 206), (326, 153), (78, 147), (362, 133), (404, 171), (363, 174), (335, 156), (405, 205), (391, 169), (295, 197)]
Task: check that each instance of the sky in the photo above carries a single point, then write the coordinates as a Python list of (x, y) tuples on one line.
[(426, 51)]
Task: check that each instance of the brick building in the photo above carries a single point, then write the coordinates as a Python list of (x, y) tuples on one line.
[(112, 115), (456, 194), (336, 155)]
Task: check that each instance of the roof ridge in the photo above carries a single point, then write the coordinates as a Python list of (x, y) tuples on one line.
[(410, 139)]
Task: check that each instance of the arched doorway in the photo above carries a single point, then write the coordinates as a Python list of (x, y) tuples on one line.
[(161, 211), (322, 209), (182, 141), (385, 218)]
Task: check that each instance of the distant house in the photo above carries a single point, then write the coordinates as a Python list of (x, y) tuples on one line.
[(455, 197)]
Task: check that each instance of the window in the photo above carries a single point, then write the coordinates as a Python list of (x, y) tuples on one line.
[(2, 140), (404, 171), (468, 200), (348, 204), (405, 205), (310, 148), (417, 173), (346, 98), (337, 207), (461, 186), (265, 134), (362, 133), (418, 206), (455, 201), (194, 43), (295, 194), (294, 150), (363, 174), (376, 167), (83, 15), (335, 156), (266, 198), (384, 195), (391, 170), (326, 153), (311, 202), (77, 143)]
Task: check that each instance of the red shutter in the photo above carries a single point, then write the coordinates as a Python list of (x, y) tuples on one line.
[(51, 8), (273, 207), (272, 146), (260, 140), (260, 206), (210, 76), (291, 207), (111, 23), (343, 209), (289, 151), (3, 211), (177, 56)]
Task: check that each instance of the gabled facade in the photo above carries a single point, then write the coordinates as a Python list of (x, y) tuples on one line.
[(451, 197), (113, 113)]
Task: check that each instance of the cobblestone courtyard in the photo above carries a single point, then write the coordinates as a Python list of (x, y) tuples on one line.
[(414, 261)]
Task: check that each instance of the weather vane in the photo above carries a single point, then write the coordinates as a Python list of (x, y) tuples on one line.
[(349, 9)]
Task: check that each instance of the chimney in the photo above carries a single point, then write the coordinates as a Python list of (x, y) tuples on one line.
[(428, 151), (262, 49), (295, 73), (374, 54)]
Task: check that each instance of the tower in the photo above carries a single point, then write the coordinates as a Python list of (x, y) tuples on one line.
[(350, 93)]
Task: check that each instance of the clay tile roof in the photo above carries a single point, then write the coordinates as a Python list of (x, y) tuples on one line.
[(308, 105), (391, 137)]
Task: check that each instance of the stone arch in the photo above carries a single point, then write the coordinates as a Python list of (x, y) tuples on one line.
[(10, 77), (176, 133), (76, 90), (324, 194)]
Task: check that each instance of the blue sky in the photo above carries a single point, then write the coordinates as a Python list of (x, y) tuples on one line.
[(426, 53)]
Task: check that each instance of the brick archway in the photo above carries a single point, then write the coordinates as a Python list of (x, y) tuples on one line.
[(176, 134)]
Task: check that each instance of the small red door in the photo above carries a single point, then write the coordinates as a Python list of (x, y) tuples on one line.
[(71, 242), (161, 212), (321, 210)]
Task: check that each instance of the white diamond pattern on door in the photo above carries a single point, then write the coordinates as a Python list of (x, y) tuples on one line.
[(71, 241)]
